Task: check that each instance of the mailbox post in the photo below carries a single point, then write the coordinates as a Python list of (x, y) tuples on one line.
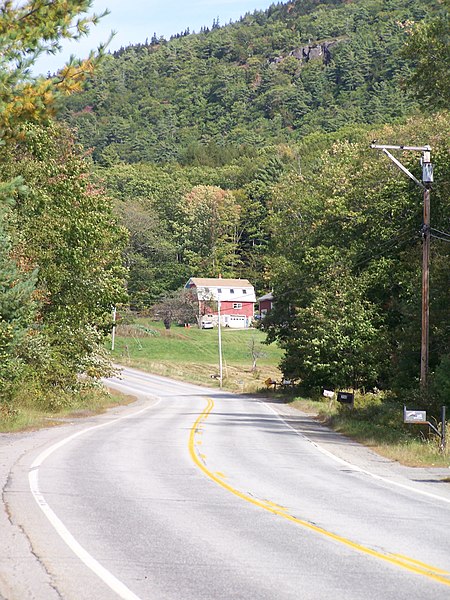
[(420, 417)]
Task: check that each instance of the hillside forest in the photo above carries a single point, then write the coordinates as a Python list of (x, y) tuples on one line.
[(244, 150)]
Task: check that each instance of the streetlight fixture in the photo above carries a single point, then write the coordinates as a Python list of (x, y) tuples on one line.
[(425, 185)]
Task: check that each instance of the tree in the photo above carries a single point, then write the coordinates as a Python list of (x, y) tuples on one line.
[(60, 251), (28, 29), (180, 305), (151, 255), (17, 309), (346, 262), (65, 229), (428, 49), (336, 339), (208, 231), (256, 351)]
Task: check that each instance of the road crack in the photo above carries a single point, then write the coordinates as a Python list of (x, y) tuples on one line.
[(24, 574)]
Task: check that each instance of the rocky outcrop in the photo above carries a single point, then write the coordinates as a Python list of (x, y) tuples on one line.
[(312, 51)]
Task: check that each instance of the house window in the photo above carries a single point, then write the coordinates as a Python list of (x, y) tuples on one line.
[(219, 290), (231, 291), (244, 291), (237, 304)]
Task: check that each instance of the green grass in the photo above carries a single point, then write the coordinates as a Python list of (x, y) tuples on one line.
[(27, 417), (192, 354)]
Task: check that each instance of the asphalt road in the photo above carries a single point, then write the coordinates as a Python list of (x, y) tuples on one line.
[(196, 494)]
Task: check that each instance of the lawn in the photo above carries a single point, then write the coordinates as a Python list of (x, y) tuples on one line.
[(192, 354)]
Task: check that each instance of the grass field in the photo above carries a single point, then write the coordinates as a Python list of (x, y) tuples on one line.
[(192, 354)]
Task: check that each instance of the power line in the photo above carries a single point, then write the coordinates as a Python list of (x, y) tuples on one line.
[(438, 237), (444, 235), (438, 231), (397, 241)]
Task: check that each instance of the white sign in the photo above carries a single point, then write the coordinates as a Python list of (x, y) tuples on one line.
[(328, 393)]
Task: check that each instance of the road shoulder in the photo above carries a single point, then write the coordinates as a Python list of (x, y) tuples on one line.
[(426, 479), (23, 576)]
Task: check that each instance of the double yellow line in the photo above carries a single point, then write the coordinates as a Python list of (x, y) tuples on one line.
[(399, 560)]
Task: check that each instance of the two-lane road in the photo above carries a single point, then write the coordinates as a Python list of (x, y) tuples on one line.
[(197, 494)]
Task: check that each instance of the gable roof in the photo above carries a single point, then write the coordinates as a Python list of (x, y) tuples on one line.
[(268, 296), (218, 282), (227, 290)]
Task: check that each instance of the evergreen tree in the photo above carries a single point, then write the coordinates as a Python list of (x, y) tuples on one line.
[(17, 307), (28, 29), (428, 48)]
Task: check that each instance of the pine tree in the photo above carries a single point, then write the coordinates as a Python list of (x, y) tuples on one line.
[(16, 309), (28, 30)]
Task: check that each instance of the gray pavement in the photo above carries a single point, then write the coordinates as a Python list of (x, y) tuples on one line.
[(23, 576)]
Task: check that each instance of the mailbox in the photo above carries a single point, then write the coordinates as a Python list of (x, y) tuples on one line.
[(414, 416), (345, 397)]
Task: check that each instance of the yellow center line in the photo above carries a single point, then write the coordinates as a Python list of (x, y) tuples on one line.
[(421, 564), (396, 559)]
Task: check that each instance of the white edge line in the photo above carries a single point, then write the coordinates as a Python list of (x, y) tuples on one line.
[(355, 467), (108, 578)]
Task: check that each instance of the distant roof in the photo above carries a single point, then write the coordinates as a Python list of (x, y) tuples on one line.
[(219, 282), (268, 296)]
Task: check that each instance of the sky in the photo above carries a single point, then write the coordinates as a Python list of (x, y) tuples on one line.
[(134, 21)]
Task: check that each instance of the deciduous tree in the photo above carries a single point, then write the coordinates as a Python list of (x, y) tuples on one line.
[(64, 228), (208, 231)]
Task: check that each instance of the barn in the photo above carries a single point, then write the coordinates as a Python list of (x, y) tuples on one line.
[(235, 298)]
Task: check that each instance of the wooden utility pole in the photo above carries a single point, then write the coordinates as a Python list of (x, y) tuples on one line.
[(425, 288), (425, 184)]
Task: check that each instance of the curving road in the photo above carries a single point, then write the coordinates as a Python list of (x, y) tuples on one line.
[(197, 494)]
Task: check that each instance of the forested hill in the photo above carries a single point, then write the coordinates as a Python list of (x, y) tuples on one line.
[(274, 76), (241, 165)]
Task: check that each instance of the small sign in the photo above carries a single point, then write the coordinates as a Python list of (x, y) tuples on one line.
[(327, 393), (414, 416), (345, 397)]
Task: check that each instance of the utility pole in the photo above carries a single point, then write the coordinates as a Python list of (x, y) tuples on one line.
[(425, 287), (425, 185), (113, 334), (219, 330)]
